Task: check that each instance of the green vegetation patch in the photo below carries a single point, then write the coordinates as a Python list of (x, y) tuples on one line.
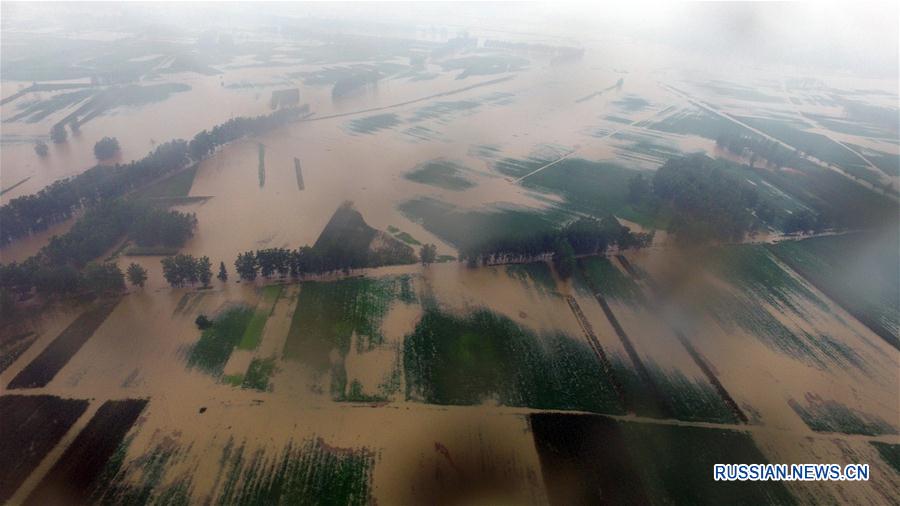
[(675, 464), (612, 283), (328, 314), (372, 124), (441, 173), (465, 228), (471, 359), (309, 473), (588, 459), (811, 143), (690, 399), (596, 188), (824, 415), (859, 271), (347, 241), (518, 167), (695, 121), (408, 239), (258, 374), (794, 133), (251, 337), (403, 236), (886, 162), (747, 313), (831, 194), (141, 481), (753, 270), (890, 453), (211, 352), (638, 395), (176, 185), (537, 274)]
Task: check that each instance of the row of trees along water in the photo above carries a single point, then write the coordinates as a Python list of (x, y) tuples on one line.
[(60, 267), (584, 236), (703, 202), (180, 270), (59, 201)]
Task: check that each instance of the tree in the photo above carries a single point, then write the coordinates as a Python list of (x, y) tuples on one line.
[(137, 275), (106, 148), (40, 147), (181, 269), (204, 270), (428, 253), (246, 266), (7, 305), (103, 278), (223, 274), (706, 201), (58, 133), (203, 322), (25, 215), (564, 258)]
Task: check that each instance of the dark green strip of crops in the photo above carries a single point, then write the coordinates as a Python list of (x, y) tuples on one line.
[(451, 359), (311, 473), (214, 348)]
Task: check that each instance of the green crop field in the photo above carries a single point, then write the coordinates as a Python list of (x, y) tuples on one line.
[(211, 352), (483, 356)]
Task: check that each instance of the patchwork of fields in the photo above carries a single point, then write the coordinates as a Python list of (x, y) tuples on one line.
[(509, 346)]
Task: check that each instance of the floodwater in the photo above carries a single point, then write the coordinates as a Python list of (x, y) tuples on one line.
[(427, 453)]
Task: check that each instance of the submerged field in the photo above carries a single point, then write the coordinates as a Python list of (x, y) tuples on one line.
[(856, 270)]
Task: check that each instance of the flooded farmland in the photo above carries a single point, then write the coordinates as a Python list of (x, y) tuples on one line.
[(445, 254)]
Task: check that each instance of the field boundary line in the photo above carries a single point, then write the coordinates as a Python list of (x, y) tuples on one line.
[(595, 345), (688, 346)]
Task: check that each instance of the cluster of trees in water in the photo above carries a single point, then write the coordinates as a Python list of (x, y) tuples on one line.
[(282, 262), (186, 269), (59, 201), (704, 202), (584, 236), (756, 147), (279, 262), (106, 148), (64, 264)]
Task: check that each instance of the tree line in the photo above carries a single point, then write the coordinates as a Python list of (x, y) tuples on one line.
[(63, 265), (756, 147), (703, 202), (584, 236), (57, 202), (180, 270)]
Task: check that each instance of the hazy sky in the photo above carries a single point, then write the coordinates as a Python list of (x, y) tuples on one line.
[(862, 38)]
